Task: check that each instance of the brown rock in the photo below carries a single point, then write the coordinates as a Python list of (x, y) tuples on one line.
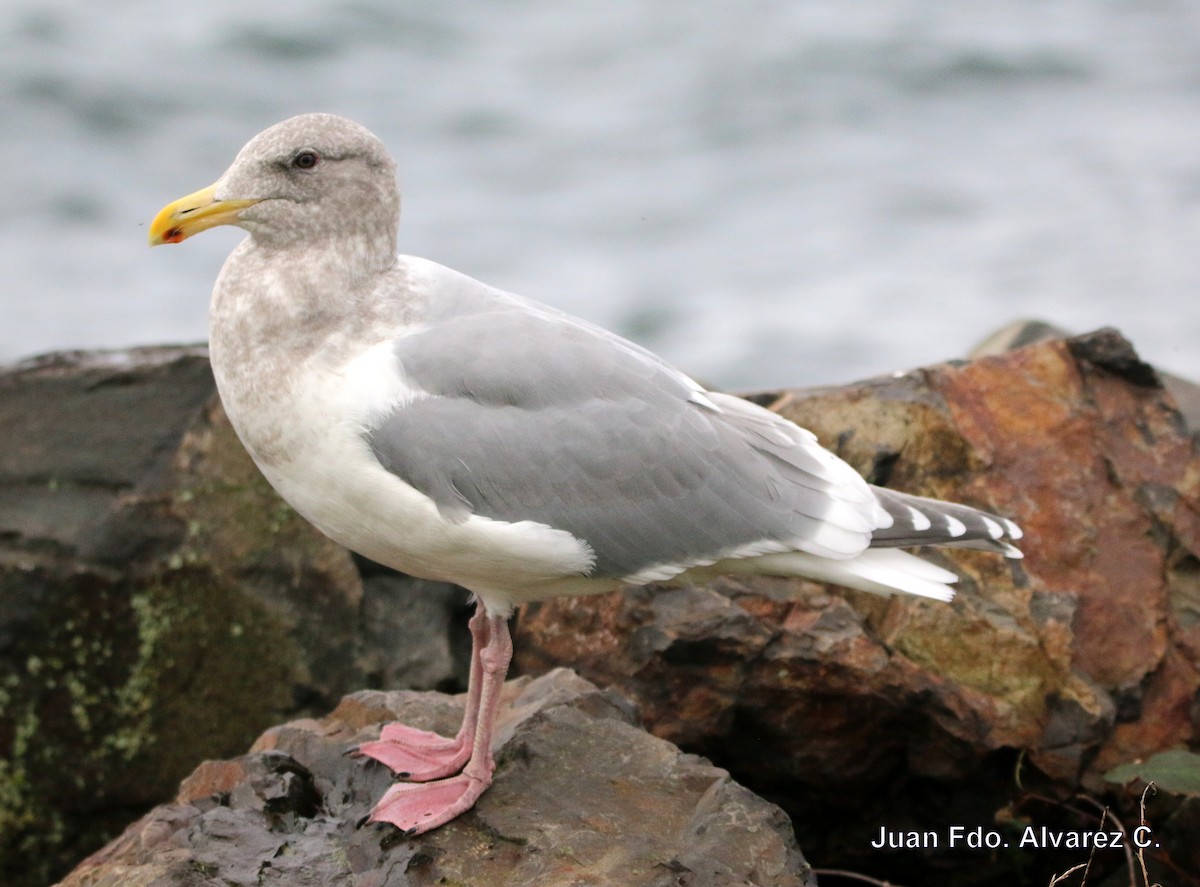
[(581, 796), (853, 711), (1019, 333)]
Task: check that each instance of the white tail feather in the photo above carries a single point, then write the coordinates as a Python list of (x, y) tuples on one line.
[(884, 571)]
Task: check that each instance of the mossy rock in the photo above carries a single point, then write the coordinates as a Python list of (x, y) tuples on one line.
[(111, 692)]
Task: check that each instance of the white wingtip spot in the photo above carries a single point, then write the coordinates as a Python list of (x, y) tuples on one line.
[(954, 526), (993, 528), (920, 521), (1012, 551), (1014, 532)]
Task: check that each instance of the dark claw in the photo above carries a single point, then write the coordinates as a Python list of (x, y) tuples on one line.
[(395, 835)]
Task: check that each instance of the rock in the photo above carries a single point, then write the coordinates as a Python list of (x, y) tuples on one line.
[(581, 796), (413, 631), (159, 604), (1020, 333), (853, 711)]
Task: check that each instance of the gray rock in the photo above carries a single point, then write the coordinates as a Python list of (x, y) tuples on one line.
[(413, 632), (159, 604), (581, 796)]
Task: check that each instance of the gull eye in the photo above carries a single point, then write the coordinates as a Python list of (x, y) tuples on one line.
[(306, 159)]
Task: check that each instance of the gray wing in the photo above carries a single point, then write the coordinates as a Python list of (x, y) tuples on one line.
[(536, 416)]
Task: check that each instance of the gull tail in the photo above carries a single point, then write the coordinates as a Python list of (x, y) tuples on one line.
[(920, 521), (882, 568)]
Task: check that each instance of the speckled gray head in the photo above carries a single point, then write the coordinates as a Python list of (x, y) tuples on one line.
[(315, 174), (308, 180)]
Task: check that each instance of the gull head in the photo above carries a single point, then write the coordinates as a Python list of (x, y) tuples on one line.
[(309, 181)]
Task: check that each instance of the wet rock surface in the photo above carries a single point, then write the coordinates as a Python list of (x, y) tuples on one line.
[(581, 796)]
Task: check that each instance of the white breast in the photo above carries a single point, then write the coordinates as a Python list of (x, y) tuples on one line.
[(307, 437)]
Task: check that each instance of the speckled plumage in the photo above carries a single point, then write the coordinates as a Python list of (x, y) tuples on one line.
[(452, 431)]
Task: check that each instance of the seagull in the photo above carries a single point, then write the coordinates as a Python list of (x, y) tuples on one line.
[(454, 431)]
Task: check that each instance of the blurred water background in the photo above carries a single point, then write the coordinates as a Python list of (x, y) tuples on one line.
[(767, 192)]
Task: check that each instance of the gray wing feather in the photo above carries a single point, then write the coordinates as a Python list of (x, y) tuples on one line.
[(535, 416)]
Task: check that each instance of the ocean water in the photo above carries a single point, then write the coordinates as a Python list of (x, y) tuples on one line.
[(769, 192)]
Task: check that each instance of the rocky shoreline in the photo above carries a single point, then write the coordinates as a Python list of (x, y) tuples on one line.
[(160, 607)]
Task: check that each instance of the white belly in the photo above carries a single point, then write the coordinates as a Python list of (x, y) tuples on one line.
[(306, 434)]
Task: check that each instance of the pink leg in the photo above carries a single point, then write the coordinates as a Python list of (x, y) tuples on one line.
[(417, 808), (420, 755)]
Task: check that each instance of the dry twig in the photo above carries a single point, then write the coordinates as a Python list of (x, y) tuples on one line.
[(1141, 851), (1057, 879)]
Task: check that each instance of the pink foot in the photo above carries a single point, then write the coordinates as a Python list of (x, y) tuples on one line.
[(425, 757), (416, 809), (422, 756), (414, 738), (415, 754)]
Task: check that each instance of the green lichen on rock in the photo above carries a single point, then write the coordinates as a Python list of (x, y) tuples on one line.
[(113, 692), (159, 604)]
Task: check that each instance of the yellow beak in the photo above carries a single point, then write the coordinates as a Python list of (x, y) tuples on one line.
[(192, 214)]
